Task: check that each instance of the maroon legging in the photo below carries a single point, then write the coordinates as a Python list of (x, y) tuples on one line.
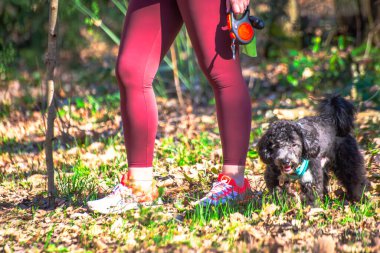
[(149, 29)]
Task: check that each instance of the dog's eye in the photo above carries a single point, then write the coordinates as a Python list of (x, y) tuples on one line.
[(294, 145)]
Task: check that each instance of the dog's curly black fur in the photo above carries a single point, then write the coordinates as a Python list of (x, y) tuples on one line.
[(325, 140)]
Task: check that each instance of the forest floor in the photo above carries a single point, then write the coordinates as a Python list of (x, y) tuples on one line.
[(89, 156)]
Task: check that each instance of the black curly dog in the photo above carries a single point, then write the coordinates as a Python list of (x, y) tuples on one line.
[(325, 141)]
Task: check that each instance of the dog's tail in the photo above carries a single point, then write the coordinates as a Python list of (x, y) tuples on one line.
[(340, 111)]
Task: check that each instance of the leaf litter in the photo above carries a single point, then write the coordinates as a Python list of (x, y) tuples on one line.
[(187, 161)]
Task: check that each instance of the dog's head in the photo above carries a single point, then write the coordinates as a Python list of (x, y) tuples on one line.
[(286, 144)]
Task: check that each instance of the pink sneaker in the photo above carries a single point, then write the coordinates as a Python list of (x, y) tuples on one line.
[(226, 190)]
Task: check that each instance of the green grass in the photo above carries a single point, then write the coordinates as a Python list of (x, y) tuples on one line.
[(7, 144), (79, 186), (5, 110), (203, 215), (111, 141), (353, 212), (48, 237), (182, 151)]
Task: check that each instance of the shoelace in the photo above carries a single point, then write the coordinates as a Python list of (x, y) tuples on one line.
[(219, 186), (218, 190), (126, 193), (122, 190)]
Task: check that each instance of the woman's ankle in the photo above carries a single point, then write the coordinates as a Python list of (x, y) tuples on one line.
[(139, 173), (138, 178), (235, 172)]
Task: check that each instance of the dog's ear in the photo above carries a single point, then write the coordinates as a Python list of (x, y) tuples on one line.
[(264, 147), (310, 142)]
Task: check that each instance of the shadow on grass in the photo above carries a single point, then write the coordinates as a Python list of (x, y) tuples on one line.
[(37, 202), (62, 141)]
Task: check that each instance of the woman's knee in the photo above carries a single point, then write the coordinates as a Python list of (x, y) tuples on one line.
[(128, 72), (210, 72), (221, 73), (220, 79)]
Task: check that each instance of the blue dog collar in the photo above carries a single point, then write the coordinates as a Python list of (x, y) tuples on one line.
[(300, 171)]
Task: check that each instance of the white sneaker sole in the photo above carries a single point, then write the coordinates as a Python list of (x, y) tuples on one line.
[(123, 208)]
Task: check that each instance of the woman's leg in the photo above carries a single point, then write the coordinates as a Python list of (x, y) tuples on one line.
[(149, 29), (204, 21)]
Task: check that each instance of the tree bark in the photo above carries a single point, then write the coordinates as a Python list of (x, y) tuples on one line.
[(50, 62)]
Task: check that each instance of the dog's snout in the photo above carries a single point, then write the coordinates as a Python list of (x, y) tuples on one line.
[(285, 161)]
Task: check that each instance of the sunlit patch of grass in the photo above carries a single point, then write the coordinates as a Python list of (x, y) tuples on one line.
[(181, 150), (256, 133), (93, 104), (8, 184), (358, 212), (110, 173), (78, 186), (111, 141), (56, 248), (282, 200), (48, 237), (252, 153), (67, 111), (203, 214), (4, 178)]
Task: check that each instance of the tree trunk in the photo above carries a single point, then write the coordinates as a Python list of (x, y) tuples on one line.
[(50, 62)]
